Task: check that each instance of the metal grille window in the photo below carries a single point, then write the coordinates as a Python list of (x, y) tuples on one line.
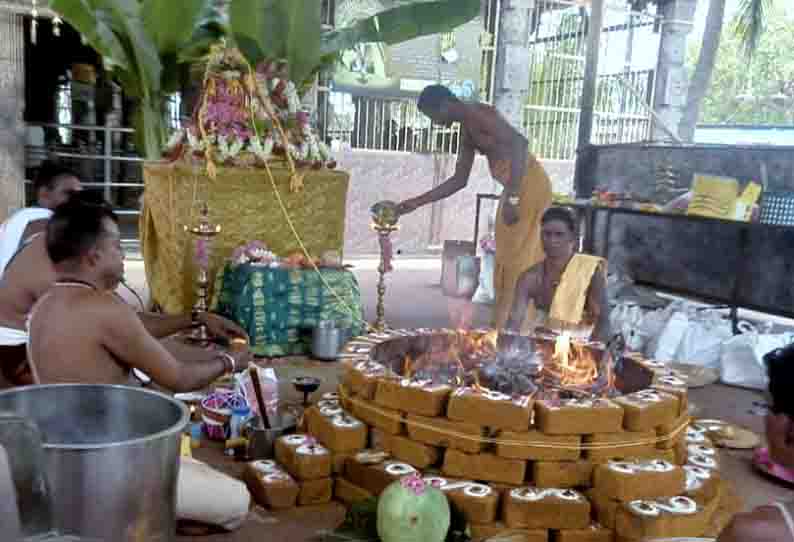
[(624, 96), (63, 110), (174, 108), (384, 124)]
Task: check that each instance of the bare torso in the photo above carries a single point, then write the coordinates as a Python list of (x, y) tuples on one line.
[(69, 349), (538, 285), (491, 135), (24, 281)]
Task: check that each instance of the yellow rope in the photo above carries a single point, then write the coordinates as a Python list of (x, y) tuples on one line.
[(279, 199), (367, 405)]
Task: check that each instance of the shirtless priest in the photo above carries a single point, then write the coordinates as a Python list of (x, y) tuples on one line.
[(80, 331), (526, 187)]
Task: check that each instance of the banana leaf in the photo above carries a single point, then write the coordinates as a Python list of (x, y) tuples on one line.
[(94, 25), (402, 23), (279, 29), (171, 23), (211, 26), (141, 49)]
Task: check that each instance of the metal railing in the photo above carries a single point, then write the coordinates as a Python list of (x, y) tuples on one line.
[(103, 156), (558, 47), (385, 124)]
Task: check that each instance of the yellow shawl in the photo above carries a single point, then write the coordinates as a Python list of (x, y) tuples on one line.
[(571, 295)]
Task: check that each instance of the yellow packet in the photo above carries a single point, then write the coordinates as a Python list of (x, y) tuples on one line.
[(748, 198), (714, 196)]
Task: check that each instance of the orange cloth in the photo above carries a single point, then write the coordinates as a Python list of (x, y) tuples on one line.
[(518, 247)]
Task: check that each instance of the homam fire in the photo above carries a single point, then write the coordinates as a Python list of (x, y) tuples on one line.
[(542, 366)]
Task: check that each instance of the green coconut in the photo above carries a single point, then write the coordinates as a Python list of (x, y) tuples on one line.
[(410, 510)]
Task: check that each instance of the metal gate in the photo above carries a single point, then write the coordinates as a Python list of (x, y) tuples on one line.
[(629, 49), (376, 120)]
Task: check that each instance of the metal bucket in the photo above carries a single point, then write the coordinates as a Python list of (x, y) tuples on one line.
[(111, 456)]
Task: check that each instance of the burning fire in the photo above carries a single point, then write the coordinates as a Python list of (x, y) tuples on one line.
[(458, 361), (571, 363)]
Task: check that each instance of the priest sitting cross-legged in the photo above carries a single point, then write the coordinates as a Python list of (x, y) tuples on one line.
[(81, 331), (566, 291)]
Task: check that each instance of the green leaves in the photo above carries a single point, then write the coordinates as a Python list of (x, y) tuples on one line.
[(256, 29), (402, 23), (171, 23), (94, 24), (302, 46), (751, 22), (279, 29)]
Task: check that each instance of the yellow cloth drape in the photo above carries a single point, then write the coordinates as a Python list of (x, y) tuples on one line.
[(518, 246), (242, 201), (569, 300)]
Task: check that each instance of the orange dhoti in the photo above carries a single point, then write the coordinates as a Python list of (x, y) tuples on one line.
[(518, 246)]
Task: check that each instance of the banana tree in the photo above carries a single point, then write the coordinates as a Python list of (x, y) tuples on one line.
[(290, 30), (148, 45), (151, 43)]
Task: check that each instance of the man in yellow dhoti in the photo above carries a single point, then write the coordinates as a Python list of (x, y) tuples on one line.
[(527, 189), (566, 291)]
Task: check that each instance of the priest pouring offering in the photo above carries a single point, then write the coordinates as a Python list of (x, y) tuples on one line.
[(526, 194)]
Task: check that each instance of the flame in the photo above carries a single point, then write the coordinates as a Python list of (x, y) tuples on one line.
[(408, 367), (572, 363), (477, 387)]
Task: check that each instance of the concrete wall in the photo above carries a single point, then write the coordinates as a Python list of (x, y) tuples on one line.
[(700, 256), (377, 176), (12, 131)]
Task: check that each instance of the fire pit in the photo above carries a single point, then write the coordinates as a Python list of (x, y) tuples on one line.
[(543, 366), (555, 428)]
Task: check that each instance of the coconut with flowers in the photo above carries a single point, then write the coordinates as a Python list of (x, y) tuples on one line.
[(413, 510)]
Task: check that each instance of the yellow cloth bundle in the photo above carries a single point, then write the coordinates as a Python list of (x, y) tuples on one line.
[(571, 295)]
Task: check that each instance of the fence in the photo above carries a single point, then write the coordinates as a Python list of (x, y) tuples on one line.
[(103, 156), (624, 91)]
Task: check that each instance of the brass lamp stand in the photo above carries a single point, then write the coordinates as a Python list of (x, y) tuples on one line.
[(384, 223), (204, 231)]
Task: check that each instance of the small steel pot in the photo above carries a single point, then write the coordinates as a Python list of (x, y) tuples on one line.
[(327, 340)]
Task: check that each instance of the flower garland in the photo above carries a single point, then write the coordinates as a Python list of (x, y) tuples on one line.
[(246, 120)]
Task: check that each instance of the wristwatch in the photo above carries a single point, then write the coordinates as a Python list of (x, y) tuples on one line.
[(513, 200)]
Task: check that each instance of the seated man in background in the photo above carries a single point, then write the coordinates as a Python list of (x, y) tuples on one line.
[(773, 523), (53, 185), (566, 291), (80, 331), (22, 244)]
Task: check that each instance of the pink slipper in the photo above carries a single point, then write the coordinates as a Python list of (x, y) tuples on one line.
[(762, 460)]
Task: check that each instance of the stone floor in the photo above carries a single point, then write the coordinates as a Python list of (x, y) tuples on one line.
[(414, 299)]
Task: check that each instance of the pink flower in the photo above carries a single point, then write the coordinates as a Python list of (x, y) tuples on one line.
[(414, 483), (488, 243), (202, 257)]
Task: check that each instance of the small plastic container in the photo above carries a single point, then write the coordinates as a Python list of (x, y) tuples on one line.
[(239, 417)]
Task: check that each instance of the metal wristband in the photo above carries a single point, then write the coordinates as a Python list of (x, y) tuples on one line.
[(228, 362), (513, 200)]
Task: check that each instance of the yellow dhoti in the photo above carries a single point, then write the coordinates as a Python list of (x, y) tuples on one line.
[(518, 247)]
